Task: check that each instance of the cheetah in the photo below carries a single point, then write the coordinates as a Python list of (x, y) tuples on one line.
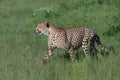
[(69, 39)]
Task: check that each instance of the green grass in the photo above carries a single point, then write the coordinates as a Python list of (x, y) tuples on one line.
[(21, 49)]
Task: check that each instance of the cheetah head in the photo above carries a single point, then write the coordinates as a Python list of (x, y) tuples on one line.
[(43, 28)]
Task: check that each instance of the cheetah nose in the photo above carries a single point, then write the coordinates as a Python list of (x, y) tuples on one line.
[(35, 30)]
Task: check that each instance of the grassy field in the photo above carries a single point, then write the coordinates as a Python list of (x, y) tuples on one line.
[(21, 49)]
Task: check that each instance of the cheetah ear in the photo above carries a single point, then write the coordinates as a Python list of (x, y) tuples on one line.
[(47, 23)]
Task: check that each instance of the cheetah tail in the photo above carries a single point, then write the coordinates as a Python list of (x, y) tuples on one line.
[(103, 48)]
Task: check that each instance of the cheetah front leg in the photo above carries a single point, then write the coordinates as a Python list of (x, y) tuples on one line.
[(48, 55)]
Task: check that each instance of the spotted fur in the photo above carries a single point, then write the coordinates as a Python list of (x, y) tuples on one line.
[(69, 39)]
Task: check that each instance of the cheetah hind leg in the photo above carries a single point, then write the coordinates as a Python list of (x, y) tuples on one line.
[(93, 50), (71, 53), (85, 46)]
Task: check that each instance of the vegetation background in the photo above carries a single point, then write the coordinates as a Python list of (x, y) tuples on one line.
[(21, 49)]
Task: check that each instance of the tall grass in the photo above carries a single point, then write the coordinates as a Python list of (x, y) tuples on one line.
[(21, 50)]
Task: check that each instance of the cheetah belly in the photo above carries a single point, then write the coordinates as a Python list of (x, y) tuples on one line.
[(76, 42), (75, 37)]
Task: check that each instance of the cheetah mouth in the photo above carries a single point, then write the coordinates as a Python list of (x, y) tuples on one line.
[(39, 32)]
